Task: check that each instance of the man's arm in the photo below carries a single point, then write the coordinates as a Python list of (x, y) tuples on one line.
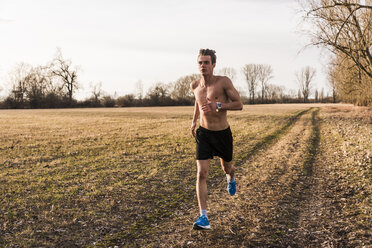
[(196, 110), (195, 118), (233, 95)]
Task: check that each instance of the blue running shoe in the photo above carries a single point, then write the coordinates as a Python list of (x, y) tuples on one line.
[(201, 223), (231, 187)]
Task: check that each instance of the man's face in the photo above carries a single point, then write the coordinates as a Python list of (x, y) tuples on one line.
[(205, 65)]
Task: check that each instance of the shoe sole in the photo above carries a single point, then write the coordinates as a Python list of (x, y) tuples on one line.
[(197, 227), (229, 192)]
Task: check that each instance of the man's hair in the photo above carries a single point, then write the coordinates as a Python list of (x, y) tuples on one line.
[(206, 52)]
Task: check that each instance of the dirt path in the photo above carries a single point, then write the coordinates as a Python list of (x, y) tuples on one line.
[(273, 185), (288, 196)]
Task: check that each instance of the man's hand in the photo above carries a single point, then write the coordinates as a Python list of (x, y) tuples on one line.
[(192, 128), (209, 106)]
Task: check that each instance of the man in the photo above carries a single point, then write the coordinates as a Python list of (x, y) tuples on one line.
[(214, 95)]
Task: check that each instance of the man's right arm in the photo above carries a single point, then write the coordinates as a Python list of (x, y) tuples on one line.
[(196, 111), (195, 118)]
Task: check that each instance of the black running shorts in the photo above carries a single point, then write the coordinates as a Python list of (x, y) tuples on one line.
[(214, 143)]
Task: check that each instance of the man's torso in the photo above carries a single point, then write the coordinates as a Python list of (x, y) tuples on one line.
[(214, 92)]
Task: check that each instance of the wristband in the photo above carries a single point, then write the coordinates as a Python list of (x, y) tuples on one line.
[(219, 106)]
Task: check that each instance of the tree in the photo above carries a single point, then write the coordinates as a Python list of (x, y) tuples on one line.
[(344, 27), (304, 78), (39, 85), (332, 83), (158, 94), (139, 89), (96, 93), (250, 72), (316, 95), (126, 100), (299, 94), (63, 70), (108, 101), (181, 88), (351, 84), (321, 96), (265, 73), (228, 72), (274, 93), (18, 80)]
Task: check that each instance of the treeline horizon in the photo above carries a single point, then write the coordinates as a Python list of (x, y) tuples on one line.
[(54, 85)]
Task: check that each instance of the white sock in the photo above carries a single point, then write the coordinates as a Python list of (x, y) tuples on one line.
[(229, 179), (203, 212)]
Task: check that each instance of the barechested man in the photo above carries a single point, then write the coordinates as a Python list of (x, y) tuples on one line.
[(214, 95)]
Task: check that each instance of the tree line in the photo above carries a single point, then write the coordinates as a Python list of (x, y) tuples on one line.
[(54, 85), (47, 86)]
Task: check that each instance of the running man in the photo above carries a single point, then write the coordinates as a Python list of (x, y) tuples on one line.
[(214, 95)]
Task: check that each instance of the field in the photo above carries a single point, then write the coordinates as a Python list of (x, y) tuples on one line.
[(125, 177)]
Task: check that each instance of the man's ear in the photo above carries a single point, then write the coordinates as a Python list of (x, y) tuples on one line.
[(214, 65)]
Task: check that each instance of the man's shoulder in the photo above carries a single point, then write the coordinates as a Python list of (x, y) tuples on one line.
[(223, 79), (194, 84)]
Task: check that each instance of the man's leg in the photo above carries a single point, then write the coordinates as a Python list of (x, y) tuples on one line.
[(201, 183), (228, 167), (229, 170), (202, 194)]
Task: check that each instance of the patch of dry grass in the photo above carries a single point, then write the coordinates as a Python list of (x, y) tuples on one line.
[(105, 177)]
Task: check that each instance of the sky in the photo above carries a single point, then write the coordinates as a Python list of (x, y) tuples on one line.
[(121, 42)]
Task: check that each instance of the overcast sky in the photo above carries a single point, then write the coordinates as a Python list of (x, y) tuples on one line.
[(119, 42)]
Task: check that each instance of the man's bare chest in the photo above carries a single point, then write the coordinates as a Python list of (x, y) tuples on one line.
[(210, 93)]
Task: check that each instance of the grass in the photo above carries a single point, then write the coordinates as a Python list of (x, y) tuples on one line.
[(106, 177)]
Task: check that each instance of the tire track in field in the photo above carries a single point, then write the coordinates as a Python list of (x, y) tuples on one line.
[(176, 237), (273, 187), (271, 138)]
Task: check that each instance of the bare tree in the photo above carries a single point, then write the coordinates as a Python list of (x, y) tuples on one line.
[(316, 95), (344, 27), (228, 72), (299, 94), (96, 92), (63, 69), (332, 83), (321, 95), (265, 73), (39, 85), (250, 72), (274, 92), (18, 80), (158, 94), (304, 78), (181, 88), (139, 89)]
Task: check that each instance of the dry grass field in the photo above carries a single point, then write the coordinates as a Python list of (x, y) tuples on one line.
[(125, 177)]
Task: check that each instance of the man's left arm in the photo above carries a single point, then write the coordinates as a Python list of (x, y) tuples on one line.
[(232, 94)]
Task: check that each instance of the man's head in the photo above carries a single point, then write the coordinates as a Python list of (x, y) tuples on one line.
[(206, 61), (208, 52)]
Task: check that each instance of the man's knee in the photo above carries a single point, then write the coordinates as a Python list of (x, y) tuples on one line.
[(202, 174)]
